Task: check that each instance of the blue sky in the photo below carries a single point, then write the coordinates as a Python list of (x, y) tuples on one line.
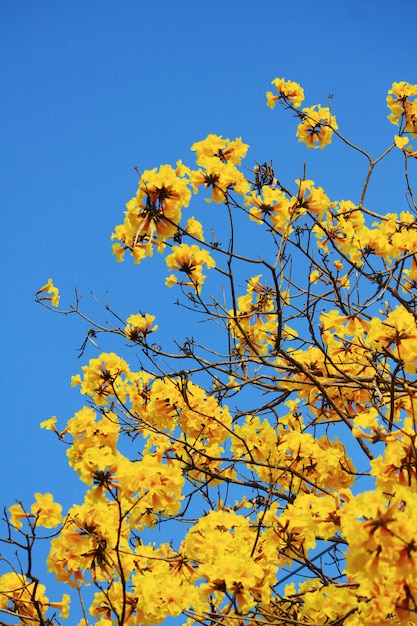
[(92, 89)]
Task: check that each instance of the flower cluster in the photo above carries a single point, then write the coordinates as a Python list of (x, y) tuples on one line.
[(317, 123), (190, 260), (282, 446), (402, 106), (219, 159), (140, 326), (317, 126), (402, 103), (254, 324), (288, 91), (44, 512), (26, 599), (153, 215)]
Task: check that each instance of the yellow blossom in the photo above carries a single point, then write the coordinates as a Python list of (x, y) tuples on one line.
[(63, 606), (17, 514), (401, 104), (194, 228), (221, 177), (154, 214), (23, 598), (287, 91), (190, 260), (315, 276), (50, 289), (317, 126), (139, 326), (219, 149), (401, 142), (49, 424), (46, 511)]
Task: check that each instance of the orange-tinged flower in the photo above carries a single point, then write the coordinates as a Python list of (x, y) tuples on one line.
[(63, 606)]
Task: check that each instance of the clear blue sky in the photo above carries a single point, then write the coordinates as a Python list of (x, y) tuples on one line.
[(91, 89)]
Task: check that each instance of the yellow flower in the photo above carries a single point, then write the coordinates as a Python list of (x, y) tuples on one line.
[(317, 126), (221, 177), (194, 228), (400, 142), (315, 276), (62, 606), (224, 150), (47, 512), (287, 91), (190, 260), (49, 424), (343, 281), (400, 104), (153, 215), (102, 378), (17, 514), (50, 289), (139, 326), (269, 203), (403, 143), (23, 598)]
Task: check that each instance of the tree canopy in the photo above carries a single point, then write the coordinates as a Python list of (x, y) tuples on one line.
[(274, 443)]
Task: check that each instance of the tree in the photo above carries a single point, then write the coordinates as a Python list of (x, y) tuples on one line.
[(278, 448)]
